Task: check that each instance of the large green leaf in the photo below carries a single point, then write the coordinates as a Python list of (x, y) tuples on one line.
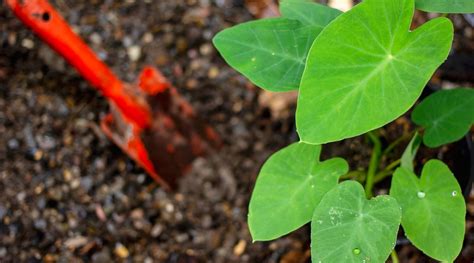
[(308, 12), (410, 152), (347, 227), (433, 209), (272, 52), (366, 69), (288, 189), (447, 116), (446, 6)]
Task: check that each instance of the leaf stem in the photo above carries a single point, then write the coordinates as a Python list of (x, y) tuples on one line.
[(395, 143), (354, 175), (387, 171), (394, 256), (393, 164), (374, 163)]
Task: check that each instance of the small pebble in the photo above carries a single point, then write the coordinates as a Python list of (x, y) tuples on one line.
[(86, 183), (21, 196), (157, 230), (141, 178), (470, 19), (137, 214), (213, 72), (95, 38), (27, 43), (41, 203), (181, 238), (12, 39), (50, 258), (169, 208), (75, 242), (13, 144), (240, 247), (75, 183), (127, 41), (67, 175), (37, 154), (206, 49), (46, 143), (162, 60), (121, 251), (148, 38), (134, 53), (192, 83), (102, 256), (99, 211), (181, 44), (40, 224)]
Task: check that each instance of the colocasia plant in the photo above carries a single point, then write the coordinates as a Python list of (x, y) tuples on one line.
[(356, 72)]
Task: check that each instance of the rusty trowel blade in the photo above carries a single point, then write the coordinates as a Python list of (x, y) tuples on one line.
[(174, 138), (177, 136)]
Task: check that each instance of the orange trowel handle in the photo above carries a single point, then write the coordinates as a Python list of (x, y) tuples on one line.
[(48, 24)]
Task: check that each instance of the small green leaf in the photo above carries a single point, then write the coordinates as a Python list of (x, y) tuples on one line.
[(272, 52), (410, 152), (288, 189), (447, 116), (347, 227), (308, 12), (446, 6), (366, 69), (433, 209)]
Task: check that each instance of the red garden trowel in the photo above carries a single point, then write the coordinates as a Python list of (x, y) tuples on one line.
[(149, 120)]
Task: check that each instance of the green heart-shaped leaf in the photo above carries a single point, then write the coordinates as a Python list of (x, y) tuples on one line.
[(347, 227), (447, 116), (272, 52), (410, 152), (288, 189), (366, 69), (308, 12), (433, 209), (446, 6)]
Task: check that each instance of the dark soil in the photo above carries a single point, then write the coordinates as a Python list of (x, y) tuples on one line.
[(69, 195)]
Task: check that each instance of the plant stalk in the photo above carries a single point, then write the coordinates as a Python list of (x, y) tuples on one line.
[(394, 256), (354, 175), (374, 163), (394, 144), (388, 171)]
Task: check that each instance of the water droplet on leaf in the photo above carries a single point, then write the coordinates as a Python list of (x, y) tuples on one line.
[(421, 194), (356, 251), (454, 193)]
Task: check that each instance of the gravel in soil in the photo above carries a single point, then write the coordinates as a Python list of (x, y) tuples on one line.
[(70, 195)]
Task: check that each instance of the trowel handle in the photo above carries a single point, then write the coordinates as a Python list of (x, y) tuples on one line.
[(48, 24)]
